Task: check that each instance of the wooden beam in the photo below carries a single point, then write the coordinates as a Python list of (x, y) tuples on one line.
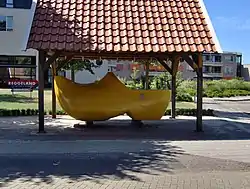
[(190, 62), (175, 65), (199, 93), (164, 64), (72, 74), (54, 73), (147, 75), (51, 59), (41, 68), (124, 55)]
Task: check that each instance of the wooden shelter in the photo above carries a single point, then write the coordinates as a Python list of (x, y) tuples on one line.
[(123, 29)]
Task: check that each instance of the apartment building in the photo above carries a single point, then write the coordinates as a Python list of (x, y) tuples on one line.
[(226, 65), (15, 20)]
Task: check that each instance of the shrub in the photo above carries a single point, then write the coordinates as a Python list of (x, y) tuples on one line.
[(191, 112), (184, 97)]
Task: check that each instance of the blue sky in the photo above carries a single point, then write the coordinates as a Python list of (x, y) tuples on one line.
[(231, 21)]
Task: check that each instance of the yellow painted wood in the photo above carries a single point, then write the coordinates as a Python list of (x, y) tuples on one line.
[(108, 98)]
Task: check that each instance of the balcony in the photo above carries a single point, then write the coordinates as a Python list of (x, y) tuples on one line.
[(212, 60), (213, 75)]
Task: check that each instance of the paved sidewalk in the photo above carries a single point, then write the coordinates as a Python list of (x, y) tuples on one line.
[(165, 154), (218, 180), (125, 164)]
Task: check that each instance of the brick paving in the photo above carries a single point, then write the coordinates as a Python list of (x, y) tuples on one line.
[(216, 180), (70, 158), (142, 170)]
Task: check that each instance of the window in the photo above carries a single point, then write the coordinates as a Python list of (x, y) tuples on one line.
[(206, 69), (217, 58), (2, 3), (17, 61), (216, 69), (21, 4), (23, 60), (23, 73), (6, 23), (229, 58), (9, 3), (238, 59), (206, 58)]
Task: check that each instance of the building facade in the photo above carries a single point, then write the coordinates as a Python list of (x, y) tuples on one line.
[(15, 18), (227, 65)]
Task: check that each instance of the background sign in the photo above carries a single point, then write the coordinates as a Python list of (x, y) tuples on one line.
[(22, 84)]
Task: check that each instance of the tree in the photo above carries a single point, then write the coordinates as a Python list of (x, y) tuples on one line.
[(163, 81), (76, 65)]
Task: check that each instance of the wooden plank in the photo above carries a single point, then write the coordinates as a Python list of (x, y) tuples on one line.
[(164, 64), (199, 127), (72, 75), (50, 60), (190, 62), (147, 75), (124, 55), (41, 69), (175, 64)]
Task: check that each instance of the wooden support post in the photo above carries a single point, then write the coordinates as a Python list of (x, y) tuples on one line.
[(72, 74), (41, 67), (199, 94), (175, 65), (147, 75), (54, 73), (173, 97)]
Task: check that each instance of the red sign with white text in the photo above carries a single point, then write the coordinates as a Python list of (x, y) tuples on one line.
[(22, 84)]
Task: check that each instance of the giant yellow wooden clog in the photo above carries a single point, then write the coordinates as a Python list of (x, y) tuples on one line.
[(108, 98)]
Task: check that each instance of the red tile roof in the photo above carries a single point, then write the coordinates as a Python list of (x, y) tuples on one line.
[(121, 25)]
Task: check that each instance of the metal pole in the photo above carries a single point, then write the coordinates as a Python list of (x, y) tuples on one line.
[(199, 94), (41, 91)]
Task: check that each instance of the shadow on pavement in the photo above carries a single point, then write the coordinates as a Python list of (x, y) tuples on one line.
[(157, 159), (180, 129)]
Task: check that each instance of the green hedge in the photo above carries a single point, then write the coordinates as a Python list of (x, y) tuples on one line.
[(217, 88), (25, 112), (191, 112), (33, 112)]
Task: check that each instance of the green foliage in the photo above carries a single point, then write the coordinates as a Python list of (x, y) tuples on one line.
[(163, 81), (34, 112), (25, 112), (218, 88), (80, 65), (191, 112), (184, 97), (134, 82)]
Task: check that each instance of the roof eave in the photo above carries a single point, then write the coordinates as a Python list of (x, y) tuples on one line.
[(210, 26), (28, 28)]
